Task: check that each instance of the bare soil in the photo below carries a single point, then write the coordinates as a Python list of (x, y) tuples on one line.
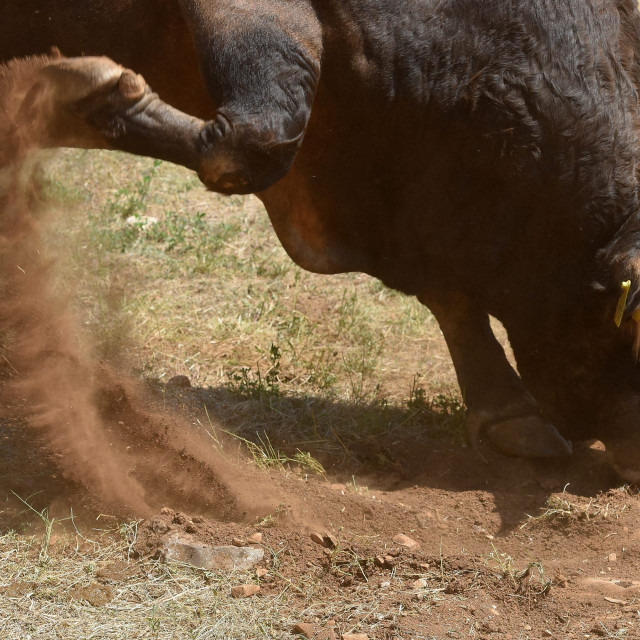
[(507, 548)]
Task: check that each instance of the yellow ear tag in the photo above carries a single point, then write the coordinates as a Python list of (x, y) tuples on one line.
[(622, 302)]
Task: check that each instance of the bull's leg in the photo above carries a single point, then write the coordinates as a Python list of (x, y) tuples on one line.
[(93, 103), (500, 408)]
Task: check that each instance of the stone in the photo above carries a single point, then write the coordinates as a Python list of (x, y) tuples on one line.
[(225, 558), (355, 636), (405, 541), (613, 557), (318, 538), (421, 583), (256, 538), (261, 572), (244, 590), (331, 542), (238, 542), (547, 634), (314, 631)]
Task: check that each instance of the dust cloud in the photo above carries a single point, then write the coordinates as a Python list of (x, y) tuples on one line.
[(100, 423)]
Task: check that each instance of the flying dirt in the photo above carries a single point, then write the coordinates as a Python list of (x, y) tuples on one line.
[(100, 422)]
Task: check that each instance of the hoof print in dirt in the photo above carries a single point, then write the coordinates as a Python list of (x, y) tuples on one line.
[(225, 558)]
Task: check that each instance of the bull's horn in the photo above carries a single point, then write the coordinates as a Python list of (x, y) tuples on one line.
[(622, 302)]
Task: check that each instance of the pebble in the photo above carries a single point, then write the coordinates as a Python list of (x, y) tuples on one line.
[(355, 636), (528, 627), (245, 590), (238, 542), (405, 541), (331, 542), (318, 538), (547, 634), (420, 583), (327, 540), (261, 572), (256, 538), (612, 557), (314, 631)]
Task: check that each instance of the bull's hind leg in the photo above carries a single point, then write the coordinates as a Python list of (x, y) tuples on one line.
[(500, 408), (93, 103)]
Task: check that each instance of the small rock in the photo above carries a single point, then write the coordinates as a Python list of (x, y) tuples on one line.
[(547, 634), (389, 561), (355, 636), (261, 572), (528, 627), (385, 584), (238, 542), (318, 538), (327, 540), (405, 541), (314, 631), (202, 556), (244, 590), (494, 612), (331, 542), (421, 583), (256, 538), (179, 382), (612, 557)]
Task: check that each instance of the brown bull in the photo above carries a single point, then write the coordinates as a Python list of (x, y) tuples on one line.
[(482, 156)]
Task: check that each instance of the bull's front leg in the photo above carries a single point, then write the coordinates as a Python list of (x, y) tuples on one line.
[(501, 410)]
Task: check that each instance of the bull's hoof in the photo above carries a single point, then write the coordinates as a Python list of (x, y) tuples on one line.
[(525, 437)]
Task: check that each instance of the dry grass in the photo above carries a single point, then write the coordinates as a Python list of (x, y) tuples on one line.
[(67, 596)]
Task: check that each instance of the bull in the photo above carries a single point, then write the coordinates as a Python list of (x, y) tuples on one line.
[(482, 156)]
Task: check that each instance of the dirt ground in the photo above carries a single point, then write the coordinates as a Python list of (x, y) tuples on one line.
[(507, 548)]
